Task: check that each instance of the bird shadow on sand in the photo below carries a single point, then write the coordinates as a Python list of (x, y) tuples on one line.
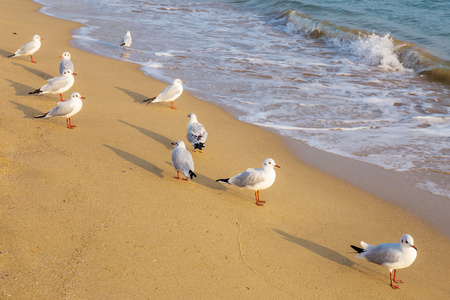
[(330, 254), (318, 249), (5, 53), (138, 98), (38, 73), (21, 89), (151, 134), (29, 112), (148, 166)]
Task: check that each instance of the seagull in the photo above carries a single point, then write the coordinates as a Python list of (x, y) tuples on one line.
[(57, 85), (66, 109), (169, 94), (182, 160), (66, 63), (259, 179), (392, 255), (29, 48), (126, 41), (196, 133)]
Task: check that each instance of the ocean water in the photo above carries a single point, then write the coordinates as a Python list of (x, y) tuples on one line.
[(367, 79)]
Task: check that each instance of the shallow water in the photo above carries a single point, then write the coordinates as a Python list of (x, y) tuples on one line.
[(336, 86)]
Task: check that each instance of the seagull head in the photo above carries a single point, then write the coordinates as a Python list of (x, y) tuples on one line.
[(179, 143), (65, 55), (67, 72), (76, 95), (407, 241), (270, 163), (36, 37), (193, 117), (178, 81)]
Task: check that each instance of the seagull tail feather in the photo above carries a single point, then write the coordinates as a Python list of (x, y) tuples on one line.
[(199, 146), (150, 100), (42, 116), (223, 180), (192, 174), (357, 249), (36, 91), (12, 55)]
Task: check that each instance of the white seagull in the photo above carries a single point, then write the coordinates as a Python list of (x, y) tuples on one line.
[(259, 179), (126, 41), (66, 63), (392, 255), (66, 109), (182, 160), (29, 48), (57, 85), (196, 133), (169, 94)]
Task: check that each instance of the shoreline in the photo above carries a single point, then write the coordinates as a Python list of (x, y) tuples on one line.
[(379, 182), (94, 212)]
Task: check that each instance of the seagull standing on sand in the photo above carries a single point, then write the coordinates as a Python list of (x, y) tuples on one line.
[(126, 41), (57, 85), (66, 109), (259, 179), (196, 133), (169, 94), (392, 255), (66, 63), (29, 48), (182, 160)]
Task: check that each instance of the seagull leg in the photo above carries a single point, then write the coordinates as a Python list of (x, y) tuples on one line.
[(258, 202), (32, 58), (395, 287), (171, 104), (69, 123), (187, 179), (397, 280), (60, 95), (178, 175)]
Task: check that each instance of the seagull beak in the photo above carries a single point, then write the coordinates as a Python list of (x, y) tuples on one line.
[(42, 38), (172, 143), (414, 247), (183, 82), (74, 73), (60, 56), (277, 166), (82, 98)]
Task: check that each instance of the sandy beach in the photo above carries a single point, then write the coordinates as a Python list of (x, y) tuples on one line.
[(94, 212)]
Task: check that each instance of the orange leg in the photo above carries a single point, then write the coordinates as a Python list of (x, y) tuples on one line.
[(392, 285), (397, 280), (60, 95), (32, 58), (178, 175), (69, 123), (186, 179), (258, 202), (171, 104)]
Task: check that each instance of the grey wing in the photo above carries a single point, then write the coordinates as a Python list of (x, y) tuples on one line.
[(196, 133), (26, 48), (56, 83), (63, 109), (384, 254), (169, 92), (126, 40), (247, 178), (182, 160)]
